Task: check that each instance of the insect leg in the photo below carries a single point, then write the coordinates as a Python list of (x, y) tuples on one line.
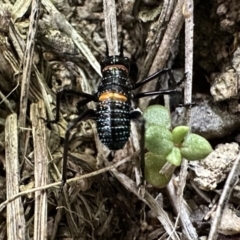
[(152, 93), (154, 76), (137, 116), (90, 113), (65, 92)]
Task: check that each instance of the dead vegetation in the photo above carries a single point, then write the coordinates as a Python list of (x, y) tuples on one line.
[(54, 44)]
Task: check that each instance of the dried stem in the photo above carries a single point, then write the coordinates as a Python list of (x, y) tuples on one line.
[(110, 20), (40, 169), (15, 213), (27, 62), (182, 212), (187, 10)]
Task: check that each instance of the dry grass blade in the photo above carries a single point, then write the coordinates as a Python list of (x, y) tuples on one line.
[(111, 26), (15, 213), (40, 169), (20, 8), (27, 62), (6, 102), (173, 28), (44, 89), (150, 201), (182, 212)]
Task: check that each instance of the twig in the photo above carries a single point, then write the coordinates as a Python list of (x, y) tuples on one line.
[(226, 193), (40, 169), (188, 7), (15, 214), (200, 192), (188, 13), (189, 25), (110, 20)]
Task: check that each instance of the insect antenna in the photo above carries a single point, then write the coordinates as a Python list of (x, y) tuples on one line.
[(107, 51), (121, 47)]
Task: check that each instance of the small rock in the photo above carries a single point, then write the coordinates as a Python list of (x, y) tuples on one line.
[(208, 120), (225, 86), (230, 222), (216, 166)]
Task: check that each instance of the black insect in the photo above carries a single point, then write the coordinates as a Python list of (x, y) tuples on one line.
[(114, 112)]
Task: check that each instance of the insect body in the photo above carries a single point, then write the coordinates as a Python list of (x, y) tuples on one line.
[(113, 98), (114, 105)]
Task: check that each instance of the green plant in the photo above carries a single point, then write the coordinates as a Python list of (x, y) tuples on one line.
[(167, 148)]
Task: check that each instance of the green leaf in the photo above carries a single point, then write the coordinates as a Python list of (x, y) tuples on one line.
[(158, 140), (195, 147), (158, 115), (179, 133), (174, 157), (153, 164)]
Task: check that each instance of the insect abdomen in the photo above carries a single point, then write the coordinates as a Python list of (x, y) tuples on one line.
[(114, 105), (113, 123)]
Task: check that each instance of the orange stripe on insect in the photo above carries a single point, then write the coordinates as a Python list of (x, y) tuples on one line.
[(116, 66), (113, 96)]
